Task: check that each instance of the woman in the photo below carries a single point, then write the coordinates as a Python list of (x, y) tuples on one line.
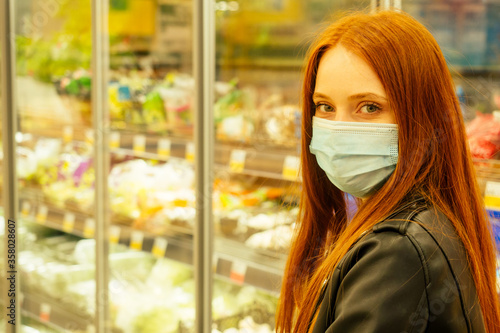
[(381, 121)]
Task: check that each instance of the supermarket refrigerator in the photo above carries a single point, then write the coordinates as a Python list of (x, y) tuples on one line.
[(151, 154)]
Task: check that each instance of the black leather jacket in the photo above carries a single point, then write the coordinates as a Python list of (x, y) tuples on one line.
[(403, 277)]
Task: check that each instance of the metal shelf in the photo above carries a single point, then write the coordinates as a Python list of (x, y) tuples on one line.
[(263, 269), (260, 160), (53, 314)]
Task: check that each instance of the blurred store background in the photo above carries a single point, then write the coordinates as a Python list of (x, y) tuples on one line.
[(259, 50)]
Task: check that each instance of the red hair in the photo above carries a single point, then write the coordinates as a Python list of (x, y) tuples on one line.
[(434, 161)]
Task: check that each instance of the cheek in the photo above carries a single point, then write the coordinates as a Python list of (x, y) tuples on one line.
[(389, 117)]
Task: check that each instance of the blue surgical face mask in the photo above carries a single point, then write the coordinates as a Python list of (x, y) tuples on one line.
[(358, 158)]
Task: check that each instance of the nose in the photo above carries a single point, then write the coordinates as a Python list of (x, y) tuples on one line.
[(343, 115)]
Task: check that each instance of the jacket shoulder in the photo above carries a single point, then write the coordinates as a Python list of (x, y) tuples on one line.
[(443, 258), (408, 274)]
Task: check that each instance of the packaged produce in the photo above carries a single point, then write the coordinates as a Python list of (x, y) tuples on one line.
[(140, 190), (73, 186), (242, 309), (234, 114), (266, 221), (74, 90), (177, 92), (484, 135), (159, 222), (166, 295), (168, 274), (277, 239), (64, 174), (243, 209), (153, 110), (47, 151), (120, 102), (280, 124), (156, 320), (125, 181), (235, 194), (26, 162), (135, 102)]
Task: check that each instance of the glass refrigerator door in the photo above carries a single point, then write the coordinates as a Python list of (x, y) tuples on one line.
[(260, 49), (150, 90), (3, 286), (55, 171), (468, 34)]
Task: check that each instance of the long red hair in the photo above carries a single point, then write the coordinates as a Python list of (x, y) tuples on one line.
[(434, 161)]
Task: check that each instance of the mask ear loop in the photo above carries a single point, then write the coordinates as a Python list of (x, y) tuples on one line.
[(394, 148)]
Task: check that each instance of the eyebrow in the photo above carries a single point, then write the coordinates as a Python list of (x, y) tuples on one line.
[(352, 97)]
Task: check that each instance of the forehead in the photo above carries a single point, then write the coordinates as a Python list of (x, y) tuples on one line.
[(342, 73)]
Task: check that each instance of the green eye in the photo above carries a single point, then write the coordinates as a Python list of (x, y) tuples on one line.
[(370, 108), (324, 108)]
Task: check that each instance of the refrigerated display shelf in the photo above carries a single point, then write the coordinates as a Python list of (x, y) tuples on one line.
[(488, 169), (51, 313), (248, 266), (262, 269), (279, 163), (263, 161), (266, 163)]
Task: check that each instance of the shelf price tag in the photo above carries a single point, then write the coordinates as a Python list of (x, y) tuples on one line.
[(136, 240), (41, 215), (114, 234), (190, 152), (139, 143), (164, 147), (238, 271), (114, 140), (291, 168), (45, 312), (237, 160), (492, 195), (159, 247), (67, 134), (25, 209), (89, 228), (68, 222)]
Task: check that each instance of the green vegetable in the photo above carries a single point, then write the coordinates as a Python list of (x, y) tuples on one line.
[(73, 88), (157, 320), (153, 108)]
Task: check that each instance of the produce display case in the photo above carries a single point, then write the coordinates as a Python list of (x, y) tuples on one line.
[(467, 32), (112, 137)]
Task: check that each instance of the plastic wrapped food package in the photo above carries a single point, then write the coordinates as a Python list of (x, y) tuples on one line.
[(26, 162), (47, 151), (157, 105), (74, 90), (66, 179), (167, 294), (265, 231), (278, 239), (234, 114), (137, 184), (267, 221), (177, 93), (281, 125), (484, 135), (242, 308), (74, 182)]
